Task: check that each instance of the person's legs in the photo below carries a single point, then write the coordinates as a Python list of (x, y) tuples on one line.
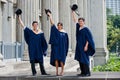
[(56, 64), (87, 70), (81, 68), (42, 69), (62, 68), (33, 68)]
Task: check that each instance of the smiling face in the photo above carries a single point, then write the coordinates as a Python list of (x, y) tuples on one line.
[(60, 26), (81, 22), (35, 25)]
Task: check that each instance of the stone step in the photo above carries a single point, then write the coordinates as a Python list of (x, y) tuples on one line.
[(70, 65), (70, 62), (24, 66), (67, 76), (6, 69)]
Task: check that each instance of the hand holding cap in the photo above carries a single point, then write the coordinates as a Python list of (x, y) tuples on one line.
[(18, 12)]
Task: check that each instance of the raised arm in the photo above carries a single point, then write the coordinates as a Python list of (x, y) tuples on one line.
[(50, 17), (21, 22), (74, 17)]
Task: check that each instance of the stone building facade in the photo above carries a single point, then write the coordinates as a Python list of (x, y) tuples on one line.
[(94, 11)]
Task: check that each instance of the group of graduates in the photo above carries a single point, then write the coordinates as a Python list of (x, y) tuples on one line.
[(59, 41)]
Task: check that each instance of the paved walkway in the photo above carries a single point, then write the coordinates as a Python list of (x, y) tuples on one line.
[(67, 76), (22, 71)]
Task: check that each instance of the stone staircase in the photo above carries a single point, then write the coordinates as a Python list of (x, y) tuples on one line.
[(21, 71), (67, 76), (24, 66)]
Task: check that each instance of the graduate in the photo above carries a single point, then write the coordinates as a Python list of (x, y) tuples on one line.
[(37, 45), (59, 45), (85, 46)]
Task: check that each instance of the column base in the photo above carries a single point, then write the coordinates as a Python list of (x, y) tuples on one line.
[(101, 56), (25, 56), (2, 64), (70, 53)]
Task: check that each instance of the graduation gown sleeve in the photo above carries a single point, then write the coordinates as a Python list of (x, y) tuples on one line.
[(77, 30), (26, 34), (91, 45), (44, 44), (54, 35), (67, 43)]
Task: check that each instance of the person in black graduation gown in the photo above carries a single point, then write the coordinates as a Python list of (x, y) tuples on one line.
[(85, 46), (37, 45), (59, 45)]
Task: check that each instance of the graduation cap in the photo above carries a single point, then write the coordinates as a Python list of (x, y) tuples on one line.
[(74, 7), (47, 10), (18, 12)]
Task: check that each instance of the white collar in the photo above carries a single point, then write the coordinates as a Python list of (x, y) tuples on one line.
[(62, 30)]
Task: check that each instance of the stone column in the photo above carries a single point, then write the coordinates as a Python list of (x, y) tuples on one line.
[(1, 57), (97, 20), (80, 7), (53, 6), (2, 64), (11, 21), (85, 11), (65, 18), (88, 12), (30, 9), (73, 29), (0, 21), (8, 22)]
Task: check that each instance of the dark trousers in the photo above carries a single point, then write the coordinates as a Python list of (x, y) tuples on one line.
[(84, 68), (41, 68)]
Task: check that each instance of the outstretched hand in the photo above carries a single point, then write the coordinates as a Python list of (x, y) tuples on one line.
[(20, 21), (73, 12), (18, 16), (49, 14), (74, 17), (50, 17)]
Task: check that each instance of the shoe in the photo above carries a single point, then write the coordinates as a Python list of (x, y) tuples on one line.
[(34, 74), (86, 75), (45, 74), (80, 75), (57, 74)]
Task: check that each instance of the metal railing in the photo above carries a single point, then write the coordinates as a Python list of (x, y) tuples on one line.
[(11, 50)]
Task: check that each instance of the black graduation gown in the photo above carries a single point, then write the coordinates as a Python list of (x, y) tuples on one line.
[(37, 45), (59, 45), (82, 36)]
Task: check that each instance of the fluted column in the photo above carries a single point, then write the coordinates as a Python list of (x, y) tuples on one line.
[(85, 11), (53, 6), (73, 29), (8, 22), (0, 23), (30, 9), (80, 7), (1, 56), (65, 18), (97, 20)]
